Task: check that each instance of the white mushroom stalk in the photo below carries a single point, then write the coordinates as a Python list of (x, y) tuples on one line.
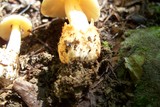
[(75, 15), (14, 40)]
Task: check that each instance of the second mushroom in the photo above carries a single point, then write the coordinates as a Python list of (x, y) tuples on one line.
[(79, 40), (12, 28)]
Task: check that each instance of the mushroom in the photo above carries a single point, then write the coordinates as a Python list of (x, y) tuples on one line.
[(80, 39), (12, 28)]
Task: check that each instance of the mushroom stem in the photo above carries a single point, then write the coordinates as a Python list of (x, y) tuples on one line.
[(75, 15), (14, 40)]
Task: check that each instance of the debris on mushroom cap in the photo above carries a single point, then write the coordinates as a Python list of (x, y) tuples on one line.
[(77, 45), (56, 8), (7, 23)]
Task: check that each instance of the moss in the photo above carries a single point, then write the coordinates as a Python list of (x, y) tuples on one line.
[(144, 43), (154, 10)]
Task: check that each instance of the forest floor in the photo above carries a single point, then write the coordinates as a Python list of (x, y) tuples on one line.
[(46, 82)]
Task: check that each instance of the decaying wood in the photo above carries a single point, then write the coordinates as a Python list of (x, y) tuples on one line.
[(27, 92)]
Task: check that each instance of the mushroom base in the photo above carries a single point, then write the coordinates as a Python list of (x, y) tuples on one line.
[(79, 45), (8, 64)]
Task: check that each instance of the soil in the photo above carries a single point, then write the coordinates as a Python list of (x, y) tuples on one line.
[(46, 82)]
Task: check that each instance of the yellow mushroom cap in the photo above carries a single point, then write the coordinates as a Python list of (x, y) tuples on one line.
[(56, 8), (6, 24), (91, 9)]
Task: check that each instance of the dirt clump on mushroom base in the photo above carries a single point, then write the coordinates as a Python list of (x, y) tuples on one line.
[(79, 45), (74, 80)]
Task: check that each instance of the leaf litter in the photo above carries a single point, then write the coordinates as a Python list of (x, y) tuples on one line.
[(47, 82)]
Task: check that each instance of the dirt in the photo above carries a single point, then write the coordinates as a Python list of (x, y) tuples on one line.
[(46, 82)]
